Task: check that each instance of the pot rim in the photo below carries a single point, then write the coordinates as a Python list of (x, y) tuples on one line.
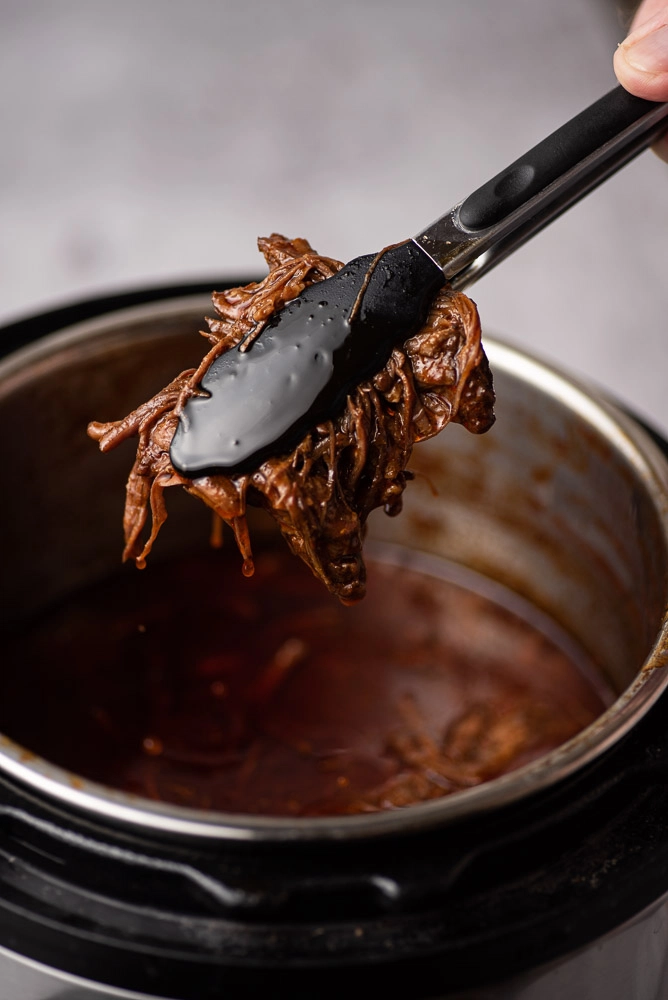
[(621, 431)]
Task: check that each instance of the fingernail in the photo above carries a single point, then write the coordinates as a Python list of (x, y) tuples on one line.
[(648, 54)]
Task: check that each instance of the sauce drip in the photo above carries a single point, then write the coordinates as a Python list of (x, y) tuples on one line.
[(270, 697)]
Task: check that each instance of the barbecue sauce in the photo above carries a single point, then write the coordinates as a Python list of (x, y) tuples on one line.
[(187, 685)]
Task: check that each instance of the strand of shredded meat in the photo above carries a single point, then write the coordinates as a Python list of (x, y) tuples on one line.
[(323, 491)]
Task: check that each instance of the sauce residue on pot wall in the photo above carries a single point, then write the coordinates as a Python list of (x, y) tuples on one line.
[(189, 685)]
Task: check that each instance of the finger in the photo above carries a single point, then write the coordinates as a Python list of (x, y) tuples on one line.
[(641, 61)]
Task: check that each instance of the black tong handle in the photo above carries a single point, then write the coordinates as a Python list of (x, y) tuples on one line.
[(581, 137), (478, 233)]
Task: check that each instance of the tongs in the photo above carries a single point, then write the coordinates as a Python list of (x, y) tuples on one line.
[(259, 402)]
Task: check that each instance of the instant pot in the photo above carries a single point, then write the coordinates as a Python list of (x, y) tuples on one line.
[(549, 882)]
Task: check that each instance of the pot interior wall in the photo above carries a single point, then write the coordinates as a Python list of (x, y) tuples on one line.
[(545, 503)]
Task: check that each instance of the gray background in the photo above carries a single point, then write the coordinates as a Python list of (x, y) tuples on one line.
[(145, 141)]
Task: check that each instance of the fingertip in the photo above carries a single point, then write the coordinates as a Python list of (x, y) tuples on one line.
[(641, 65), (650, 88)]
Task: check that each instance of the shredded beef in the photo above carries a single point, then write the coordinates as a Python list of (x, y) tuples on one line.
[(323, 491)]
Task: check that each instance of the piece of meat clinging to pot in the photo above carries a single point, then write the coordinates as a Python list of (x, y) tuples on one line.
[(322, 492)]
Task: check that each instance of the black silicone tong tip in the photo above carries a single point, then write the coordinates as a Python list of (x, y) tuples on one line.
[(307, 360)]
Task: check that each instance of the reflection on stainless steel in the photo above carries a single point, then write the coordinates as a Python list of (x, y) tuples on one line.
[(564, 502), (629, 962), (23, 979)]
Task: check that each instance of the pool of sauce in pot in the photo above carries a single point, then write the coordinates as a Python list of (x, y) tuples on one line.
[(189, 684)]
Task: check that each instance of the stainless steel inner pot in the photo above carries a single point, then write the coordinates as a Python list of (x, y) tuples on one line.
[(564, 501)]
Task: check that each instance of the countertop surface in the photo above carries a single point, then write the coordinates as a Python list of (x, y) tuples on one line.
[(154, 141)]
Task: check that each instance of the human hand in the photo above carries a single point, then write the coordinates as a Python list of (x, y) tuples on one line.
[(641, 61)]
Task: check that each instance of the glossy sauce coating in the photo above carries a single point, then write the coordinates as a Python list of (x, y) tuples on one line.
[(189, 685), (308, 359)]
